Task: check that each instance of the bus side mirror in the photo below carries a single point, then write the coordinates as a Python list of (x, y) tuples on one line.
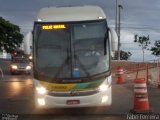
[(28, 43), (113, 39)]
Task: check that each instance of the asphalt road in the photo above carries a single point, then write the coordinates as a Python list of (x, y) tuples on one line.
[(16, 98), (16, 101)]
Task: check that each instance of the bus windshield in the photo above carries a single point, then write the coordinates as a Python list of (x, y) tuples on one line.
[(70, 50)]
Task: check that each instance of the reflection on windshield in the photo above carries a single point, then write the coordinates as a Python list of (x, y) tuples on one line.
[(52, 52), (91, 55), (76, 51)]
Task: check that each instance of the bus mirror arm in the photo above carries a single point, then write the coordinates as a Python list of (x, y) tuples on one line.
[(113, 40)]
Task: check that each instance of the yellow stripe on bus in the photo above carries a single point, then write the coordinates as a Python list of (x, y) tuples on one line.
[(57, 87)]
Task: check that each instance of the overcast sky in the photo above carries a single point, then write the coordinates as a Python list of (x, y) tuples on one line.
[(140, 17)]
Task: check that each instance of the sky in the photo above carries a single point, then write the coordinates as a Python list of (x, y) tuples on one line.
[(137, 17)]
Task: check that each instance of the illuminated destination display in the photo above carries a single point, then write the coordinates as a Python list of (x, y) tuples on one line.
[(50, 27)]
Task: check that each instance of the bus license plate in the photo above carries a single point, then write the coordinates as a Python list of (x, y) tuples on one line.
[(72, 102)]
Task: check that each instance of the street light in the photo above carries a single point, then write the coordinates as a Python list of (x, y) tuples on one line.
[(119, 27), (116, 18)]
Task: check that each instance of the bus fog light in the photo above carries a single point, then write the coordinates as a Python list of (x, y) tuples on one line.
[(104, 99), (41, 101), (30, 57), (41, 90), (103, 87)]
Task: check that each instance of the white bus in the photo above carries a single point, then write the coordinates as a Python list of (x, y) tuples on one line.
[(71, 57)]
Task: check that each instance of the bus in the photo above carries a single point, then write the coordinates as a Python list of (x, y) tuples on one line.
[(72, 49)]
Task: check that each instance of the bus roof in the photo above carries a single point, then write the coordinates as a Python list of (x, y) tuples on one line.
[(64, 14)]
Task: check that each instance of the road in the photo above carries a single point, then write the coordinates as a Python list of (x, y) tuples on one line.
[(16, 99)]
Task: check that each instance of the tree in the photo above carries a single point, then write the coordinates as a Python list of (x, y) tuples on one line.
[(156, 49), (143, 42), (123, 55), (10, 36)]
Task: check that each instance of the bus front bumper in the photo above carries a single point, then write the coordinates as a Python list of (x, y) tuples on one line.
[(98, 99)]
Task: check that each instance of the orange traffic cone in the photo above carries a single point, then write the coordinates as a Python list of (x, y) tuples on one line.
[(120, 75), (141, 103)]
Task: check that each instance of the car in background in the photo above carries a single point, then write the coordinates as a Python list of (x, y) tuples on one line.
[(20, 65), (17, 53)]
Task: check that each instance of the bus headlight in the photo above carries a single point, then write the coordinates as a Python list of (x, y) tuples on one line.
[(103, 87), (41, 90), (14, 66)]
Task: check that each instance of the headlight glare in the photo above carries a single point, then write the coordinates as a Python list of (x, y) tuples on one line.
[(104, 99), (28, 67), (41, 90), (30, 57), (41, 101), (14, 67), (103, 87)]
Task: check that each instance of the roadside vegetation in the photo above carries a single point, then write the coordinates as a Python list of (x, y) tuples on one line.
[(10, 36)]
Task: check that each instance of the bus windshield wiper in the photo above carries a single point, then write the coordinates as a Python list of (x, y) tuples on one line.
[(62, 66), (83, 67)]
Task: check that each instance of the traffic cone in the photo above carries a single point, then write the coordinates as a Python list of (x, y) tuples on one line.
[(120, 75), (141, 103)]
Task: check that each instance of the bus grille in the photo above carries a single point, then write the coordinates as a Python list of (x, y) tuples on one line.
[(72, 93)]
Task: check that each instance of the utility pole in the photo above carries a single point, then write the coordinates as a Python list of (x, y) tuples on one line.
[(116, 18), (119, 28)]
